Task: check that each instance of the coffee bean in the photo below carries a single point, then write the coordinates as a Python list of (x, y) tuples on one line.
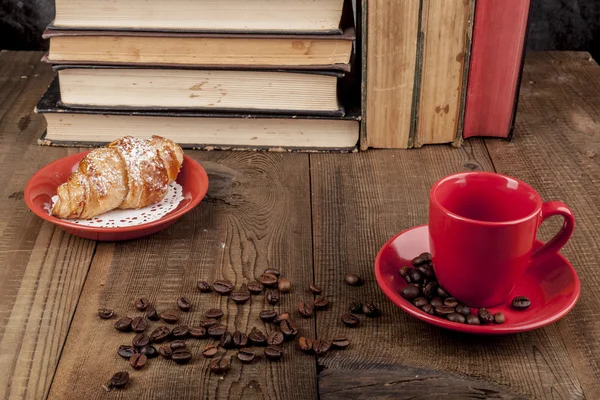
[(169, 317), (149, 351), (428, 308), (240, 297), (371, 310), (305, 344), (407, 277), (139, 324), (499, 318), (430, 289), (184, 304), (207, 323), (268, 280), (246, 356), (450, 302), (165, 351), (180, 332), (204, 287), (404, 271), (420, 302), (214, 313), (272, 271), (223, 287), (126, 351), (289, 328), (425, 256), (140, 340), (305, 310), (160, 334), (178, 344), (521, 303), (273, 353), (152, 314), (436, 302), (123, 325), (276, 338), (350, 320), (340, 343), (138, 361), (198, 332), (219, 366), (456, 317), (240, 339), (426, 271), (410, 292), (419, 261), (142, 303), (105, 313), (356, 307), (284, 285), (216, 331), (321, 347), (321, 303), (281, 317), (485, 316), (442, 311), (272, 296), (255, 287), (119, 379), (415, 276), (462, 309), (210, 351), (226, 340), (314, 288), (473, 320), (181, 356), (257, 337), (442, 293), (268, 315), (354, 280)]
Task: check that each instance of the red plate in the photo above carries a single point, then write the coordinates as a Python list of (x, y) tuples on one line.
[(43, 184), (552, 287)]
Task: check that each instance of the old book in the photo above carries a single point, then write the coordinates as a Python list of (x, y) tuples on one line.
[(202, 15), (244, 90), (195, 129), (496, 65), (200, 49)]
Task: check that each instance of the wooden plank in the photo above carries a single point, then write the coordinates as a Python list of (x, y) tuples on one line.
[(258, 216), (557, 150), (392, 27), (446, 28), (41, 269), (353, 217)]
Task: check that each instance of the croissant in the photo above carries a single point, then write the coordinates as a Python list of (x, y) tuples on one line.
[(128, 173)]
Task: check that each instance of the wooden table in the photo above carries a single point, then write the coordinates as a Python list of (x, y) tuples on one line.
[(315, 217)]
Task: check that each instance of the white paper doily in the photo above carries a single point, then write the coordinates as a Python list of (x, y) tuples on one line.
[(120, 218)]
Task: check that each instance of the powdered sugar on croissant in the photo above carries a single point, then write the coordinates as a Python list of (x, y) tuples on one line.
[(128, 173)]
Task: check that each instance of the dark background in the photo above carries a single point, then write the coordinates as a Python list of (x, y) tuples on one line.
[(554, 25)]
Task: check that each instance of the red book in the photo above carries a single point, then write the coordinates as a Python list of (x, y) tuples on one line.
[(495, 67)]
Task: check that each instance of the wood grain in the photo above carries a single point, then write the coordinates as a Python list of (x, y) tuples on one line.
[(363, 201), (557, 150), (257, 216), (42, 269), (446, 28), (392, 27)]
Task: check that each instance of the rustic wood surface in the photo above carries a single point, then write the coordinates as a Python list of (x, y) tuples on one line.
[(315, 217)]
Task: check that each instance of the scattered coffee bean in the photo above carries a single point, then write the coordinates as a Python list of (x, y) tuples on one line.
[(430, 289), (473, 319), (415, 276), (354, 280), (428, 308), (340, 343), (419, 261), (404, 271), (420, 302), (214, 313), (442, 311), (226, 340), (123, 325), (456, 317), (126, 351), (240, 297), (321, 347), (321, 303), (165, 351), (204, 287), (139, 324), (219, 366), (462, 309), (160, 334), (485, 316), (210, 351), (272, 271), (268, 280), (276, 338), (152, 314), (350, 320), (142, 303), (499, 318), (223, 287), (356, 307), (169, 317), (216, 331), (425, 256), (272, 296), (426, 271), (289, 328), (255, 287), (314, 288), (140, 340), (273, 353), (450, 302), (149, 351), (119, 380), (410, 292), (371, 310), (198, 332), (178, 344), (180, 332), (521, 303), (184, 304), (207, 323), (436, 302), (281, 317), (268, 315), (105, 313), (305, 344), (257, 337), (284, 285), (240, 339), (181, 356), (246, 356), (305, 310), (442, 293)]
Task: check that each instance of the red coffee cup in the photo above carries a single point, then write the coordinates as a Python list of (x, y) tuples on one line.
[(482, 227)]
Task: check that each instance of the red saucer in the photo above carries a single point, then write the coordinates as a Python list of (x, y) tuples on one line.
[(552, 287), (43, 184)]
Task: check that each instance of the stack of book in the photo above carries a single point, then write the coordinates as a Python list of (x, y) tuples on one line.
[(261, 74)]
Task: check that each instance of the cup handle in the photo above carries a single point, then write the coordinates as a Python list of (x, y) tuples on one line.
[(550, 209)]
